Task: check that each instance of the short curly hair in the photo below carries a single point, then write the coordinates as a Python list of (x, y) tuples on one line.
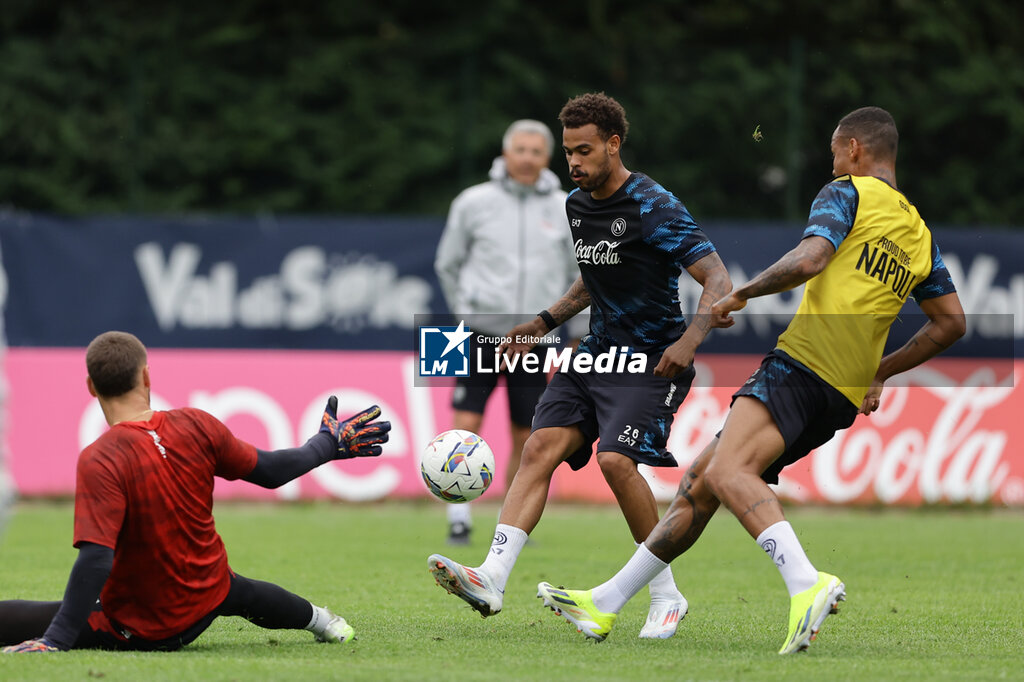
[(597, 108)]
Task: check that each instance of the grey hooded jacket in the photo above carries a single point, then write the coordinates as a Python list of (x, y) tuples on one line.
[(506, 249)]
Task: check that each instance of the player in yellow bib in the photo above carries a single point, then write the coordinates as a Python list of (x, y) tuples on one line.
[(864, 250), (882, 251)]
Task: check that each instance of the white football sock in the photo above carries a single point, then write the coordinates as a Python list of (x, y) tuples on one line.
[(663, 585), (459, 513), (640, 570), (318, 623), (780, 544), (505, 548)]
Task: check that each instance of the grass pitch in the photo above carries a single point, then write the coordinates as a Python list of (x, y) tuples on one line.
[(932, 595)]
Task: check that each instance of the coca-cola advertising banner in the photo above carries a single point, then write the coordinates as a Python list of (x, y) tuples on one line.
[(949, 432), (257, 320), (357, 283)]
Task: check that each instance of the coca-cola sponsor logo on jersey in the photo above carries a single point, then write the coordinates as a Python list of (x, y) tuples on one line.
[(601, 253)]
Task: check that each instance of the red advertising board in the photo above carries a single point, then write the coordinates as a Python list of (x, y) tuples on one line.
[(949, 432)]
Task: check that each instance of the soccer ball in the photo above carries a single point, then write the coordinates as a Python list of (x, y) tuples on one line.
[(457, 466)]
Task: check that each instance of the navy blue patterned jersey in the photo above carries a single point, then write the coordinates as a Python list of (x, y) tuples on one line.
[(631, 249)]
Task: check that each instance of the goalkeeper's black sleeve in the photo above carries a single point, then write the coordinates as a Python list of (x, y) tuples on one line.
[(90, 572), (277, 467)]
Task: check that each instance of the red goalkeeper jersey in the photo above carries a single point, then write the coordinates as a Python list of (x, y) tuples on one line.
[(145, 489)]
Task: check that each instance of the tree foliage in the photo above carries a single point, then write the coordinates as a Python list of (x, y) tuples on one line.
[(256, 106)]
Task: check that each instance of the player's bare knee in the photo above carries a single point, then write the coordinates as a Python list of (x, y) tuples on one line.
[(716, 478), (616, 466), (541, 453)]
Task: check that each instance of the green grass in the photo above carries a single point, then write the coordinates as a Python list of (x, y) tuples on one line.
[(932, 595)]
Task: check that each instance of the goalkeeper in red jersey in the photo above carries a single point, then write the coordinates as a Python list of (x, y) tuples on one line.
[(152, 572)]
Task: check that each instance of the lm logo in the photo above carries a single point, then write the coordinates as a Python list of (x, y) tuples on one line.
[(444, 351)]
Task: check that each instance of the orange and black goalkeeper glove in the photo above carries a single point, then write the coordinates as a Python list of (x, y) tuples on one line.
[(357, 436)]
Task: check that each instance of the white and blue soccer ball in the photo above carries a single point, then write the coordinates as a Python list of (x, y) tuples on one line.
[(457, 466)]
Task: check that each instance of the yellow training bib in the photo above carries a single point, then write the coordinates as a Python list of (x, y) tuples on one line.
[(840, 328)]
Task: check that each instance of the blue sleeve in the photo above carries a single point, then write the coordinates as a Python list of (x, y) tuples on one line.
[(938, 283), (833, 212), (669, 227)]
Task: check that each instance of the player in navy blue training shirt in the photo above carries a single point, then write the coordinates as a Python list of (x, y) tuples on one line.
[(633, 239), (631, 247)]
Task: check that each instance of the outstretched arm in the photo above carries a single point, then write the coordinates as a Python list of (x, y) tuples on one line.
[(712, 274), (357, 436), (946, 323), (805, 261), (274, 468)]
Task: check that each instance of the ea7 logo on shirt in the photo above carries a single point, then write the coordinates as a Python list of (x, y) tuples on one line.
[(618, 227), (601, 253)]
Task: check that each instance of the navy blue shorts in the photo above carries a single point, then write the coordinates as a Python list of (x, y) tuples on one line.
[(807, 410), (524, 388), (631, 415)]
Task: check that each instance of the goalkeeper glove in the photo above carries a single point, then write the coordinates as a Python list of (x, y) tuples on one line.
[(30, 646), (357, 436)]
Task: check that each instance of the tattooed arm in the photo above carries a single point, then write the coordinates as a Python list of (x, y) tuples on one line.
[(946, 323), (572, 302), (710, 272), (525, 336), (805, 261)]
